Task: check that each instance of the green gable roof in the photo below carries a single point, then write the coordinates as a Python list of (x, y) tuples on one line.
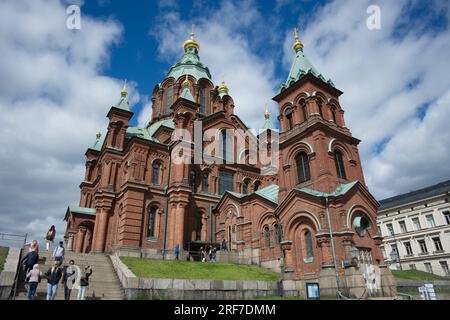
[(341, 189), (269, 192), (83, 210), (300, 67)]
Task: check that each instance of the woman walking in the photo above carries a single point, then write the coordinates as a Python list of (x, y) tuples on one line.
[(53, 276), (51, 233), (34, 277), (84, 282)]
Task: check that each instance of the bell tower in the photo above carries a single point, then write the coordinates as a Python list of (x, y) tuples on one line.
[(317, 150)]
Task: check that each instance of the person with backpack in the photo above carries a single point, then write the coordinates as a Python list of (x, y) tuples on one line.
[(58, 253), (49, 237), (68, 279), (177, 251), (34, 277), (84, 282), (53, 276)]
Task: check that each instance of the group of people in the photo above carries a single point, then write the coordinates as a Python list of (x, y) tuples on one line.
[(70, 275), (208, 252)]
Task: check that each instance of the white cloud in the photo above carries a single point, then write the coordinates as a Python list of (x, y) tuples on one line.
[(53, 98), (375, 70)]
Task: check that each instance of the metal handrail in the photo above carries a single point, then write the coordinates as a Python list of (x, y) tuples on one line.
[(410, 297)]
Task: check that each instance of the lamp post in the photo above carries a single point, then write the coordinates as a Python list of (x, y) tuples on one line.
[(395, 256)]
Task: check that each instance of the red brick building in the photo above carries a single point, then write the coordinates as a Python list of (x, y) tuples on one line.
[(312, 214)]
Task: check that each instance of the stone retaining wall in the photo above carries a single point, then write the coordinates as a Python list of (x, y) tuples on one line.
[(412, 285), (178, 289), (8, 274)]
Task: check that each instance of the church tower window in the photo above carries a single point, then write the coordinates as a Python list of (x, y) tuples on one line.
[(193, 180), (205, 182), (319, 105), (169, 97), (245, 186), (267, 236), (339, 161), (202, 101), (308, 245), (303, 108), (289, 119), (155, 173), (303, 171), (333, 114), (225, 182)]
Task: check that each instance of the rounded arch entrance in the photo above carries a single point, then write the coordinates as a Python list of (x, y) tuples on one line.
[(83, 240)]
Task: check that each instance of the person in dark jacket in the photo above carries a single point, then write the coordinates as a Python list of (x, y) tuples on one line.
[(53, 276), (84, 282), (30, 259)]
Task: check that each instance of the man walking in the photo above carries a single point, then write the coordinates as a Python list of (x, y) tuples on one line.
[(53, 276), (58, 253), (177, 251), (70, 274)]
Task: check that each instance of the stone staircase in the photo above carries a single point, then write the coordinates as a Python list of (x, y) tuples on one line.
[(103, 283)]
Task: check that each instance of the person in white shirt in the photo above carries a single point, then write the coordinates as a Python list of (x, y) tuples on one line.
[(58, 253)]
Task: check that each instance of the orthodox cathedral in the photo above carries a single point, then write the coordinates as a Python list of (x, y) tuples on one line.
[(313, 219)]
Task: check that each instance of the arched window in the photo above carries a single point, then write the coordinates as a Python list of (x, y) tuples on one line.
[(267, 236), (257, 185), (308, 245), (151, 222), (245, 186), (169, 97), (339, 161), (193, 180), (226, 181), (333, 114), (205, 182), (290, 121), (304, 113), (155, 173), (278, 233), (319, 104), (202, 100), (302, 163)]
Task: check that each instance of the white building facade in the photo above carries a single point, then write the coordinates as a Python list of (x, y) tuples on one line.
[(416, 230)]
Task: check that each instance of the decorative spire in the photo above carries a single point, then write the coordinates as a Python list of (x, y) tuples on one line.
[(186, 82), (124, 89), (98, 135), (191, 42), (223, 89), (186, 93), (297, 44), (266, 113)]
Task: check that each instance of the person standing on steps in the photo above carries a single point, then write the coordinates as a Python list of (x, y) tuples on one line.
[(177, 251), (30, 259), (58, 253), (84, 282), (34, 277), (32, 246), (53, 276), (69, 276), (49, 237), (213, 254)]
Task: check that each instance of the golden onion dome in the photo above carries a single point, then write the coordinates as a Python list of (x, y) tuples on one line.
[(124, 89), (191, 42), (98, 135), (297, 44), (266, 113), (186, 82), (223, 88)]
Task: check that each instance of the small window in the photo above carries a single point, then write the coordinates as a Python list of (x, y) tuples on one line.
[(319, 104), (390, 229), (408, 248), (245, 185), (304, 113), (226, 182), (423, 246), (416, 223), (257, 185), (278, 233), (290, 121), (155, 173), (193, 180), (428, 267), (446, 216), (169, 97), (437, 244), (205, 182), (339, 162), (333, 114), (202, 101), (403, 226), (267, 236), (444, 267), (430, 221), (151, 222), (302, 164), (308, 245)]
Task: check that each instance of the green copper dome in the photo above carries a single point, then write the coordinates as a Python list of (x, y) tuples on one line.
[(189, 64)]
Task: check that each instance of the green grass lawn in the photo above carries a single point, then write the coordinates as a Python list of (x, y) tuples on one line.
[(3, 254), (172, 269), (416, 275)]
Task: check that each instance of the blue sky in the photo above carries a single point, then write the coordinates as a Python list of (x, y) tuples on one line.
[(57, 85)]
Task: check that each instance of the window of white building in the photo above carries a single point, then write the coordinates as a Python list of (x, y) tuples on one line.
[(390, 229), (416, 223), (428, 267), (446, 216), (423, 246), (444, 267), (437, 244), (430, 221), (408, 248), (403, 226)]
